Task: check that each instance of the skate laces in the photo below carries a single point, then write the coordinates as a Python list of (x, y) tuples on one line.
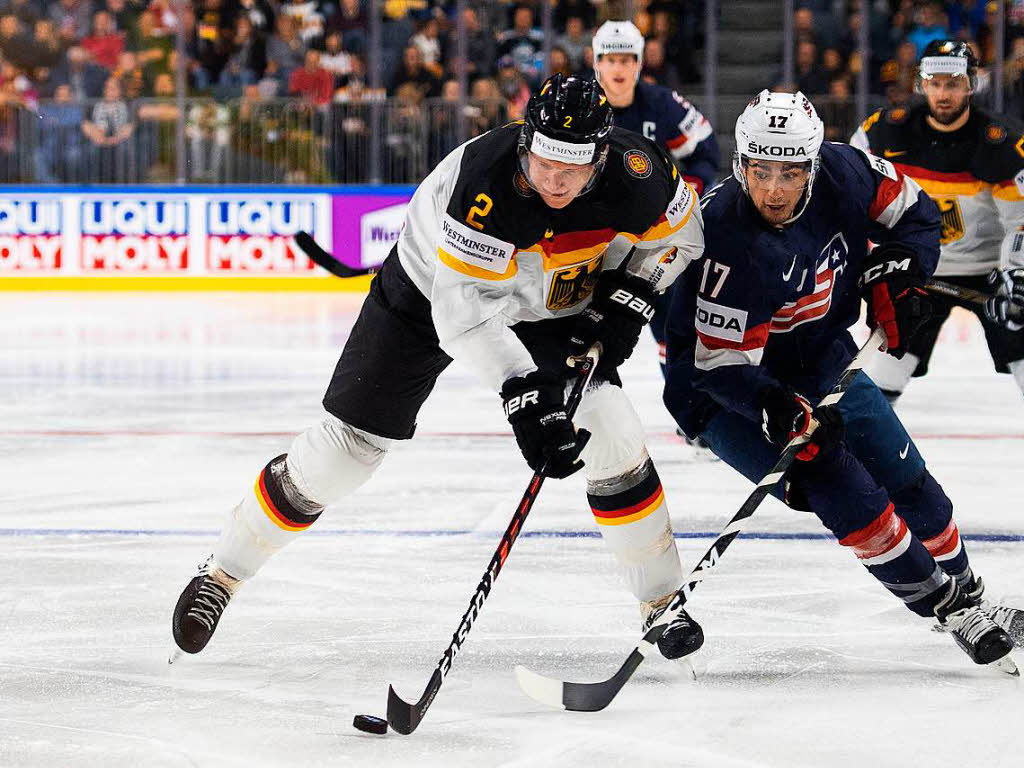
[(682, 620), (209, 603), (970, 623)]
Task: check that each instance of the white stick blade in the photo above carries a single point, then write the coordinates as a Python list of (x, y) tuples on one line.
[(543, 689)]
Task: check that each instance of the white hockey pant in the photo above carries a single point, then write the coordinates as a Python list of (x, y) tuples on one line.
[(625, 494), (324, 464), (892, 375), (1017, 369)]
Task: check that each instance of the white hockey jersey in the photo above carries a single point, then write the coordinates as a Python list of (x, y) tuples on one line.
[(974, 174), (488, 253)]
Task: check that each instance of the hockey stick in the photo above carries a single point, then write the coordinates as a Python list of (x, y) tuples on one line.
[(967, 296), (403, 716), (591, 697), (322, 258)]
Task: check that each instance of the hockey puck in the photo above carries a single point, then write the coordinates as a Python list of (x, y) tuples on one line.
[(370, 724)]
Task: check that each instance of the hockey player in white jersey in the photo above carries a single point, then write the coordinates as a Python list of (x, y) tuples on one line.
[(971, 163), (521, 248)]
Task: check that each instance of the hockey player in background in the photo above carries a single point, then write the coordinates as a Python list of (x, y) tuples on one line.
[(758, 335), (971, 163), (522, 247), (659, 114)]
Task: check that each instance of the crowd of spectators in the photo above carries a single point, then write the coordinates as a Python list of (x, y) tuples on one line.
[(827, 60), (95, 80)]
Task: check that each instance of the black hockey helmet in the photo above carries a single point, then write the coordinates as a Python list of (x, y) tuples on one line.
[(948, 57), (569, 119)]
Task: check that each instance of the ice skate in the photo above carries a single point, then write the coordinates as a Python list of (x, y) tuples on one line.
[(199, 608), (1010, 619), (681, 639), (980, 637)]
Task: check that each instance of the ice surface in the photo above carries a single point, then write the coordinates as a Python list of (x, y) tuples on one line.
[(132, 422)]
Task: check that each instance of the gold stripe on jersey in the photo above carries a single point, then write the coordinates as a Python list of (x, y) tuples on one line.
[(936, 188), (1007, 190), (573, 249), (481, 274), (663, 227)]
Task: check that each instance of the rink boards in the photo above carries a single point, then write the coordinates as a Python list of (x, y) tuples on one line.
[(191, 238)]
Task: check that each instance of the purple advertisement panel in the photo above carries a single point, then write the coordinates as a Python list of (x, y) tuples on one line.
[(366, 223)]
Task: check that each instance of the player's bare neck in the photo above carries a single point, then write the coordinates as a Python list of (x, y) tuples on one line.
[(956, 125)]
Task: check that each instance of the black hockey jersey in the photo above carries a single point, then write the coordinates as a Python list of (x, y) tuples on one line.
[(488, 253), (974, 174)]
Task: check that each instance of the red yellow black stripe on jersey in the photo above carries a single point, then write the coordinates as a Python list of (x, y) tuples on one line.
[(939, 184), (569, 248), (629, 506), (272, 500)]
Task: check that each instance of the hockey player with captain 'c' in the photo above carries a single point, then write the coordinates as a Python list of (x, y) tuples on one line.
[(522, 248), (758, 333), (661, 115), (971, 162)]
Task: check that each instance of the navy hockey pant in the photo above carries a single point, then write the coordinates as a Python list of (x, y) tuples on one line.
[(873, 492)]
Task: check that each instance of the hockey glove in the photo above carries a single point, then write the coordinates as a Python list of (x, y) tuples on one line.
[(895, 294), (622, 305), (785, 415), (1006, 307), (535, 407)]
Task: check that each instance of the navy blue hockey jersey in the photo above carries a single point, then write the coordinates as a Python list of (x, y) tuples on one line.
[(670, 121), (768, 305)]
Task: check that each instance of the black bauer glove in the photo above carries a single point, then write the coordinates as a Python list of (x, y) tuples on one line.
[(1006, 307), (895, 294), (785, 415), (535, 407), (620, 308)]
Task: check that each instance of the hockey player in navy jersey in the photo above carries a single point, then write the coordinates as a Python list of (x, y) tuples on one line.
[(659, 114), (758, 334)]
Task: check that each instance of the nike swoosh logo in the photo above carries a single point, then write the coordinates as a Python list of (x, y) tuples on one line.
[(788, 274), (905, 451), (890, 153)]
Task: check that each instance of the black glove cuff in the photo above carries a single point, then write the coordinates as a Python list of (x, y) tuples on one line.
[(888, 260), (620, 293), (521, 395)]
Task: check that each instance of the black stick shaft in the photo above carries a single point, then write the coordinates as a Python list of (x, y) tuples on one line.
[(405, 717), (322, 258), (591, 697)]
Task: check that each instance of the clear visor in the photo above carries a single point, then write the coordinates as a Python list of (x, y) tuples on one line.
[(942, 81), (791, 177), (549, 176)]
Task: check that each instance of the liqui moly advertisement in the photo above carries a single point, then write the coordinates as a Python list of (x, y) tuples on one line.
[(193, 232)]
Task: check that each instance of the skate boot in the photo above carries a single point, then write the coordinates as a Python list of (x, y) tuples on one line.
[(683, 635), (1010, 619), (979, 636), (200, 607)]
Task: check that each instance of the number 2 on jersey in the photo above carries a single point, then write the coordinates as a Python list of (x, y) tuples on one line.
[(722, 272), (479, 210)]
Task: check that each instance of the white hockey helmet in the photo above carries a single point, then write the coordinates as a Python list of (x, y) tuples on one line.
[(619, 37), (781, 127)]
